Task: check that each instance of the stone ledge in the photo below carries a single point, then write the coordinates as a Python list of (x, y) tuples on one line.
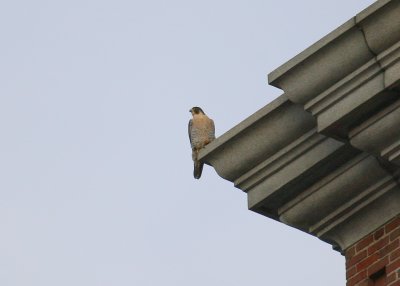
[(325, 156), (252, 138)]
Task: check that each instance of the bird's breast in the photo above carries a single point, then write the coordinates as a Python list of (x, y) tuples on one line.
[(202, 131)]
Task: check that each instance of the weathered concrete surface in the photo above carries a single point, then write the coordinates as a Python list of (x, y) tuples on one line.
[(325, 156)]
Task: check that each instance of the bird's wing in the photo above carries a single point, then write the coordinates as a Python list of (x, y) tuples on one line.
[(212, 130), (190, 131)]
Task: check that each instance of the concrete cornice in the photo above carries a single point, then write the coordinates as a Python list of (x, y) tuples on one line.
[(252, 138), (333, 40), (349, 72), (325, 156), (339, 53)]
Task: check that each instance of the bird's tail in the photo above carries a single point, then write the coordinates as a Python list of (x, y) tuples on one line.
[(198, 166), (198, 169)]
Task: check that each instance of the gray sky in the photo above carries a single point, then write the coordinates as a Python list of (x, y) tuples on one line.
[(96, 185)]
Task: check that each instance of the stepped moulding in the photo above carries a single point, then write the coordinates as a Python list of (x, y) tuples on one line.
[(324, 157)]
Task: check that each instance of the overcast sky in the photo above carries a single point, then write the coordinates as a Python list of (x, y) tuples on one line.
[(96, 173)]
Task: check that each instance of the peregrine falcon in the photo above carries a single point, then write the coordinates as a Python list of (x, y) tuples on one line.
[(201, 132)]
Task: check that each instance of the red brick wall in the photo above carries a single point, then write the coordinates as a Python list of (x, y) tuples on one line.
[(375, 259)]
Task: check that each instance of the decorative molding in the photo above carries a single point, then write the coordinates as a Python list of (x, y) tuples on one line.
[(325, 156), (257, 138), (380, 134)]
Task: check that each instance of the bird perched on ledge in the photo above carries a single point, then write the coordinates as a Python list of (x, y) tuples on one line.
[(201, 132)]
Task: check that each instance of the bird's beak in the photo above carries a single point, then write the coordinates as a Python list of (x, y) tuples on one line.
[(190, 111)]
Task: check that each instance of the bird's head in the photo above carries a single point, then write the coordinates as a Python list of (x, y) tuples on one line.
[(196, 110)]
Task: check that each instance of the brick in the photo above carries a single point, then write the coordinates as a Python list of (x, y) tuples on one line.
[(351, 272), (397, 283), (395, 254), (367, 261), (356, 258), (378, 265), (392, 225), (379, 233), (350, 252), (389, 248), (393, 266), (394, 234), (367, 282), (391, 277), (363, 243), (357, 278), (378, 245)]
